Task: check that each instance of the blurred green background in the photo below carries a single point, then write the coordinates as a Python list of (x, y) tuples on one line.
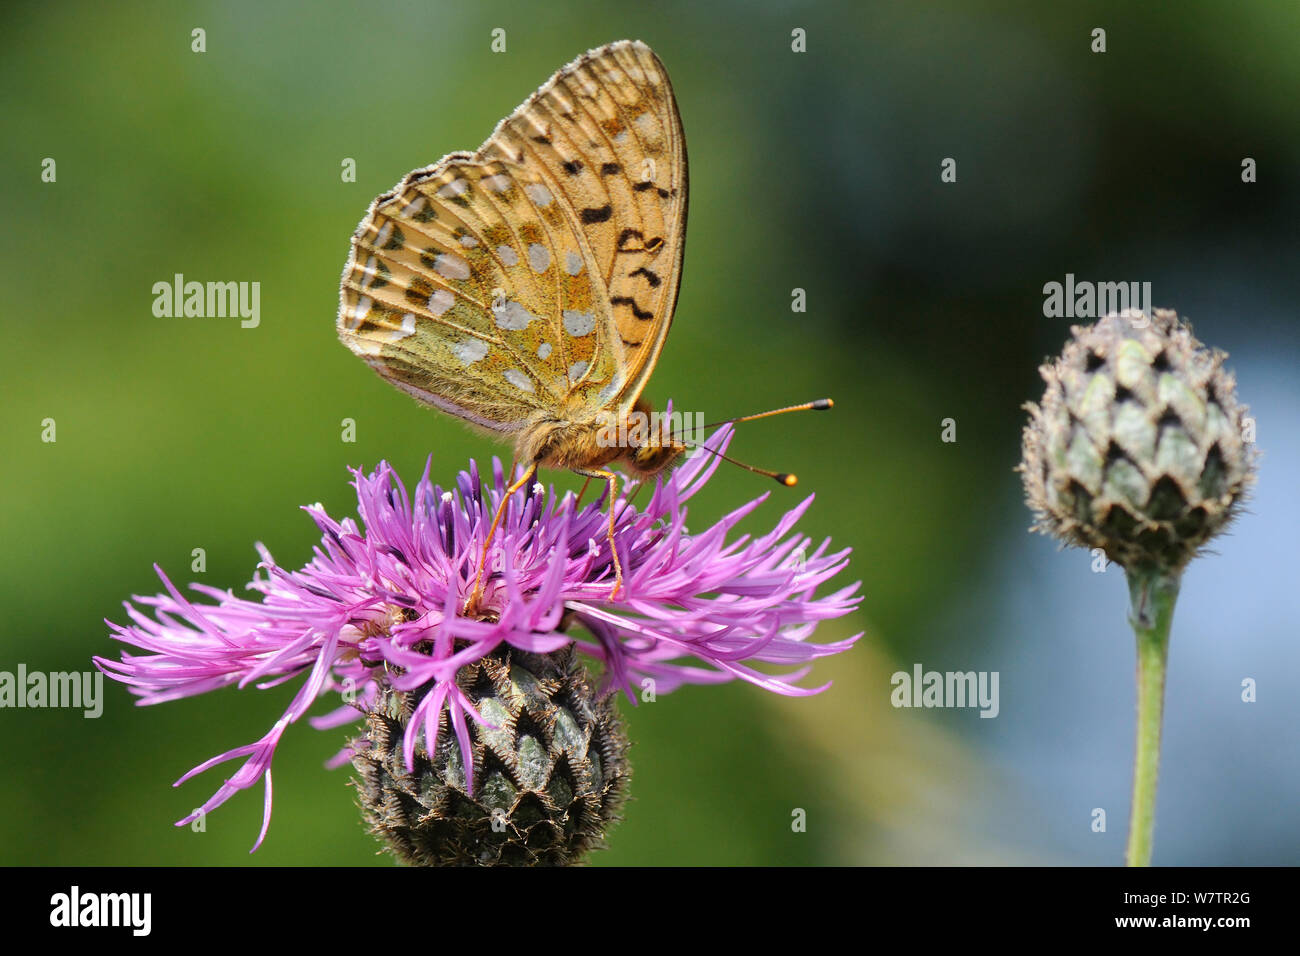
[(816, 170)]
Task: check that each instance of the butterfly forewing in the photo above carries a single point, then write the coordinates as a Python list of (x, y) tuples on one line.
[(607, 132), (541, 271)]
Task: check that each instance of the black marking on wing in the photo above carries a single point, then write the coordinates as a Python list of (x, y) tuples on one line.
[(643, 186), (418, 292), (630, 302), (371, 325), (572, 166), (603, 214), (609, 169), (650, 276)]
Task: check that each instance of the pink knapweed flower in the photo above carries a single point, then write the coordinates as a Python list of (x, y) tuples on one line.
[(379, 606)]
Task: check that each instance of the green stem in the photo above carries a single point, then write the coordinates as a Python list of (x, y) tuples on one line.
[(1152, 594)]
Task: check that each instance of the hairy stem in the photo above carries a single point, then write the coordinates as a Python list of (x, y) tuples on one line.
[(1152, 595)]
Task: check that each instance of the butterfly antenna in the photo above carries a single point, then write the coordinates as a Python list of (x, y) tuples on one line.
[(818, 405), (781, 477)]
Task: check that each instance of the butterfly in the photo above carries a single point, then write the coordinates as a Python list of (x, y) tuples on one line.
[(528, 287)]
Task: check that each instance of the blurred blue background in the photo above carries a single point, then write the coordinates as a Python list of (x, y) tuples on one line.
[(815, 170)]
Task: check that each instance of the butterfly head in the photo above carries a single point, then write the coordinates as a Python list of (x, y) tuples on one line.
[(647, 451), (653, 456)]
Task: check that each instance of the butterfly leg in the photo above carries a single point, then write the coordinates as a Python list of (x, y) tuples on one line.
[(612, 480), (471, 606), (631, 499), (582, 492)]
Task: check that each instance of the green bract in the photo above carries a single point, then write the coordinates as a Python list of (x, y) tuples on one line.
[(1139, 446)]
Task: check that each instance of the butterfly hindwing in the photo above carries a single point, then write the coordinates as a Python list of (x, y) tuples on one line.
[(539, 272), (462, 290)]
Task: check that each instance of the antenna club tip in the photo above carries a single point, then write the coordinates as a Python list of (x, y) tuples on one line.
[(823, 404), (788, 480)]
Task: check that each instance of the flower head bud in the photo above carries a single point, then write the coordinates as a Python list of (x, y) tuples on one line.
[(1137, 447), (549, 776)]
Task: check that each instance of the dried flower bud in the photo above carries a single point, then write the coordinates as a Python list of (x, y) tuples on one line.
[(1137, 447), (547, 781)]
